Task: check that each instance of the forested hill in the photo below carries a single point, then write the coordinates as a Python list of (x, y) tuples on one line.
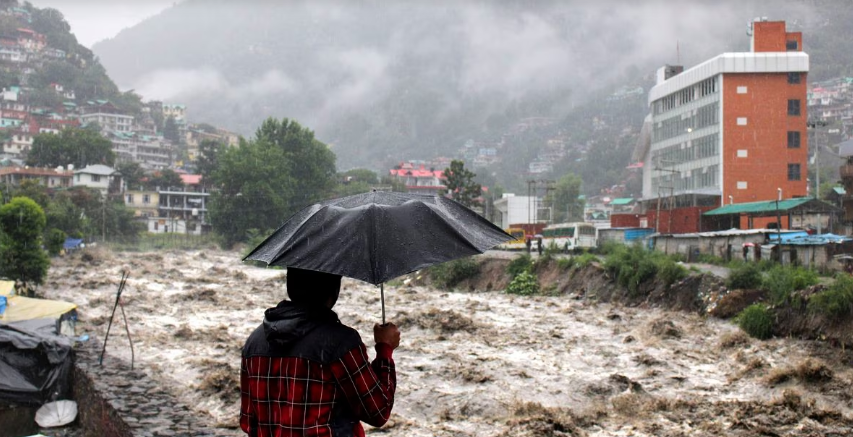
[(382, 82), (41, 50)]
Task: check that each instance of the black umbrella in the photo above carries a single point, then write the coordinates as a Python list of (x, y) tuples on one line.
[(378, 236)]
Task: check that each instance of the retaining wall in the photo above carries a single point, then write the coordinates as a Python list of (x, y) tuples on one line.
[(115, 401)]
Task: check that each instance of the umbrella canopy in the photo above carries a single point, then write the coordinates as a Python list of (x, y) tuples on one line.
[(57, 413), (378, 236)]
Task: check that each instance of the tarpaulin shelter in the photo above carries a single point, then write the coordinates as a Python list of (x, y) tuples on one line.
[(19, 308), (35, 360)]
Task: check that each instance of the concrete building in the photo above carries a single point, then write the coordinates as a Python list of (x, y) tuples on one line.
[(100, 177), (729, 130), (48, 177), (512, 209), (107, 116)]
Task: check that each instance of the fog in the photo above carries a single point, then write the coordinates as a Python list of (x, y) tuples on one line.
[(321, 62)]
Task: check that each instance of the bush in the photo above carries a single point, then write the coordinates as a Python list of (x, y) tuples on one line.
[(781, 281), (520, 264), (744, 276), (451, 273), (565, 263), (837, 300), (671, 272), (756, 321), (525, 284), (585, 259), (632, 266), (55, 241)]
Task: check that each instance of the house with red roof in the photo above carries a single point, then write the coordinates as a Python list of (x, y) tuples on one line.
[(419, 179)]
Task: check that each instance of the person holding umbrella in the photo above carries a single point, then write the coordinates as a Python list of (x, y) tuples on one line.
[(305, 373)]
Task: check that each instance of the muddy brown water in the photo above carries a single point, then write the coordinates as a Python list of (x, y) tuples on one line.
[(475, 362)]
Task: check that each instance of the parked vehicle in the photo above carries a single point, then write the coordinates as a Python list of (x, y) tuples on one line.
[(569, 237), (517, 243)]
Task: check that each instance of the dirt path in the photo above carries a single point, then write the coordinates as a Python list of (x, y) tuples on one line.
[(477, 363)]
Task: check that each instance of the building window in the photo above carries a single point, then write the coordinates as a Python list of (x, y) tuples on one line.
[(793, 140), (96, 178), (793, 78), (793, 172), (791, 45), (793, 107), (146, 199), (130, 198)]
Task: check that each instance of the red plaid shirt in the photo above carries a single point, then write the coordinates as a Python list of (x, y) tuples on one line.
[(290, 396)]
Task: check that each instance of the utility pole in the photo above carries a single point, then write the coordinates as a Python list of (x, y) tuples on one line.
[(813, 125), (671, 188)]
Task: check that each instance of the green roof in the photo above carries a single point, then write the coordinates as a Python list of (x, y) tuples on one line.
[(622, 201), (759, 207), (839, 190)]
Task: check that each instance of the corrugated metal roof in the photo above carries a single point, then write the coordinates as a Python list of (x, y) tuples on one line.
[(756, 207), (726, 233), (622, 201), (839, 190)]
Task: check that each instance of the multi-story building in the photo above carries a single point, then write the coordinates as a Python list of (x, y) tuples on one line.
[(182, 209), (48, 177), (100, 177), (420, 179), (107, 116), (729, 130)]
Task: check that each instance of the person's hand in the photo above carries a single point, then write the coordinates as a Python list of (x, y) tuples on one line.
[(387, 333)]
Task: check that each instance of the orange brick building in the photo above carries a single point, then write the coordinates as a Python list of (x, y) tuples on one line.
[(729, 130)]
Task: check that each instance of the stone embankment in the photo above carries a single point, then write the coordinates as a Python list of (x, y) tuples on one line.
[(117, 401)]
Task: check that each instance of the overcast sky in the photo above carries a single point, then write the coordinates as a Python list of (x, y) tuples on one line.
[(95, 20)]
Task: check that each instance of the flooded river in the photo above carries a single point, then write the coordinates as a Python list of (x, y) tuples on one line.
[(475, 363)]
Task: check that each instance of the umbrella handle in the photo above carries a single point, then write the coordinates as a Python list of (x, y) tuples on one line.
[(382, 295)]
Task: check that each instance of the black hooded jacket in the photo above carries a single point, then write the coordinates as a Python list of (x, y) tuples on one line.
[(310, 332)]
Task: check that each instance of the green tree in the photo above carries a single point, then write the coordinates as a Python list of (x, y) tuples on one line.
[(460, 184), (208, 160), (255, 191), (164, 179), (64, 215), (355, 181), (101, 218), (80, 147), (22, 224), (132, 174), (265, 180), (565, 200), (309, 161)]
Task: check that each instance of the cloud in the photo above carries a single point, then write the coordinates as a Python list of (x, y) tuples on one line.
[(176, 83)]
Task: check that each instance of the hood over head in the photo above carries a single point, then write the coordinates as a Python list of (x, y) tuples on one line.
[(290, 321)]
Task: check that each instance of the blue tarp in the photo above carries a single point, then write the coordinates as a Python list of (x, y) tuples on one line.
[(72, 243), (786, 236), (814, 240)]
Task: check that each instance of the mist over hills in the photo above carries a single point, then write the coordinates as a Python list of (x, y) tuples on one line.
[(382, 82)]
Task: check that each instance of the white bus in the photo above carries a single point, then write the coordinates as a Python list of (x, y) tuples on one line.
[(569, 236)]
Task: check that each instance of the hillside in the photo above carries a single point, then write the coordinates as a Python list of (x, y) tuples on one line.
[(382, 83), (42, 58)]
